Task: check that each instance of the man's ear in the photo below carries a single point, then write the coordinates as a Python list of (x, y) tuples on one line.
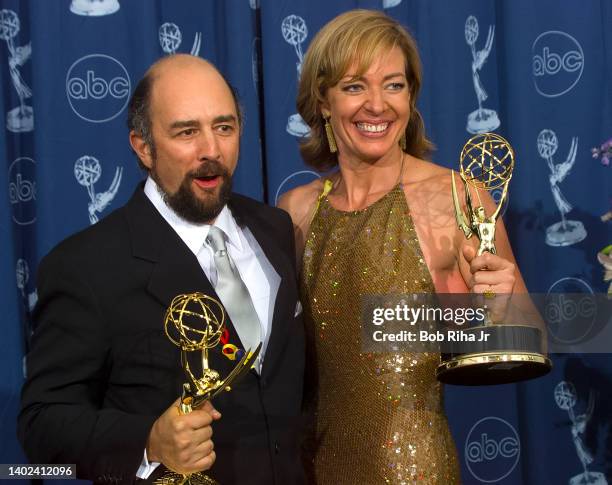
[(142, 149)]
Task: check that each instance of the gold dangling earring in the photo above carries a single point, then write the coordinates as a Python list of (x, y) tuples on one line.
[(331, 139), (402, 142)]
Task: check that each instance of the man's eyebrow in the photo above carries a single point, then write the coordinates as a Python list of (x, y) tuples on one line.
[(224, 119), (185, 124), (196, 124)]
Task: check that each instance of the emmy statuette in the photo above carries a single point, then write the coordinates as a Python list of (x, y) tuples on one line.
[(194, 322), (512, 352)]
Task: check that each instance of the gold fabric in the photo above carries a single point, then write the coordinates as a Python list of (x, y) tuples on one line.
[(377, 418)]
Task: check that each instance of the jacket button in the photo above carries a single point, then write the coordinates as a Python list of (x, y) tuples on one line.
[(276, 448)]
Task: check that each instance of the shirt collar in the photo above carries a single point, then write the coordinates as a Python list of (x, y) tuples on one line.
[(193, 235)]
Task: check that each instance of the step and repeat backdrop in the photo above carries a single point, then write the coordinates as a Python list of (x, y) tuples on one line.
[(537, 72)]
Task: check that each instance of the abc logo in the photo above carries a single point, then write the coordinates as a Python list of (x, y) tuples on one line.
[(295, 179), (558, 62), (492, 449), (570, 310), (22, 190), (98, 88)]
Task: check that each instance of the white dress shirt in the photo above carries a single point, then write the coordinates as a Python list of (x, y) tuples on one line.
[(259, 276)]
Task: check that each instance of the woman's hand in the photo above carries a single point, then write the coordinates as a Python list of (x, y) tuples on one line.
[(491, 274), (493, 277)]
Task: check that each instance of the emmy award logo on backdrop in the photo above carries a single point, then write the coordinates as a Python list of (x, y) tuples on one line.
[(295, 31), (391, 3), (482, 120), (564, 232), (21, 118), (170, 38), (566, 398), (94, 8), (22, 274), (87, 171)]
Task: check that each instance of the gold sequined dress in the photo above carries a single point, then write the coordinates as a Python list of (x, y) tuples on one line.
[(376, 418)]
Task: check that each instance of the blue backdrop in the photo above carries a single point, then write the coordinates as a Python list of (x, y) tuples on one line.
[(537, 72)]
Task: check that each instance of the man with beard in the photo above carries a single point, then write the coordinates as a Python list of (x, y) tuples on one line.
[(103, 377)]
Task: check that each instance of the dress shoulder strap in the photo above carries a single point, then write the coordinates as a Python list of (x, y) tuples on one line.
[(327, 186)]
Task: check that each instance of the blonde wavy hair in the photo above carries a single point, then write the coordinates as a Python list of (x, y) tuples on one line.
[(358, 36)]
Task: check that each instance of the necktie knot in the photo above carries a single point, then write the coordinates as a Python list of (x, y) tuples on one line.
[(216, 240)]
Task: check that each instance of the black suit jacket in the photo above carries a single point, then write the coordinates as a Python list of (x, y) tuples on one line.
[(101, 369)]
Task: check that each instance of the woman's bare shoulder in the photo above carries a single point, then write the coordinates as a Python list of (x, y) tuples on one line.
[(422, 177), (299, 202), (429, 192), (429, 172)]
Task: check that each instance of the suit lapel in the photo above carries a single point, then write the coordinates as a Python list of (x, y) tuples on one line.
[(176, 269)]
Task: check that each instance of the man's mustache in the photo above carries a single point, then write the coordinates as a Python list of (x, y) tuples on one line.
[(209, 169)]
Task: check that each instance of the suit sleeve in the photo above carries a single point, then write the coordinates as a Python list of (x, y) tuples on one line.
[(63, 418)]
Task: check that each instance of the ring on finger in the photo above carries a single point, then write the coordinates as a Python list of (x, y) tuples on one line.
[(489, 293)]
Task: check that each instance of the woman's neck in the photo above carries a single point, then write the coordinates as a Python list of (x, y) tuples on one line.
[(361, 183)]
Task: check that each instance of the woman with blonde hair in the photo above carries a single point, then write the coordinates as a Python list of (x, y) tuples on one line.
[(382, 223)]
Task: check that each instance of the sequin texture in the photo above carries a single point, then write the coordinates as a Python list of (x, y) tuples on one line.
[(375, 418)]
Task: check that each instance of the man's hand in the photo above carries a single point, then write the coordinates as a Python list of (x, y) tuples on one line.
[(492, 276), (182, 442)]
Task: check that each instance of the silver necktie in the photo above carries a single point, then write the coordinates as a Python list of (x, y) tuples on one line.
[(234, 294)]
